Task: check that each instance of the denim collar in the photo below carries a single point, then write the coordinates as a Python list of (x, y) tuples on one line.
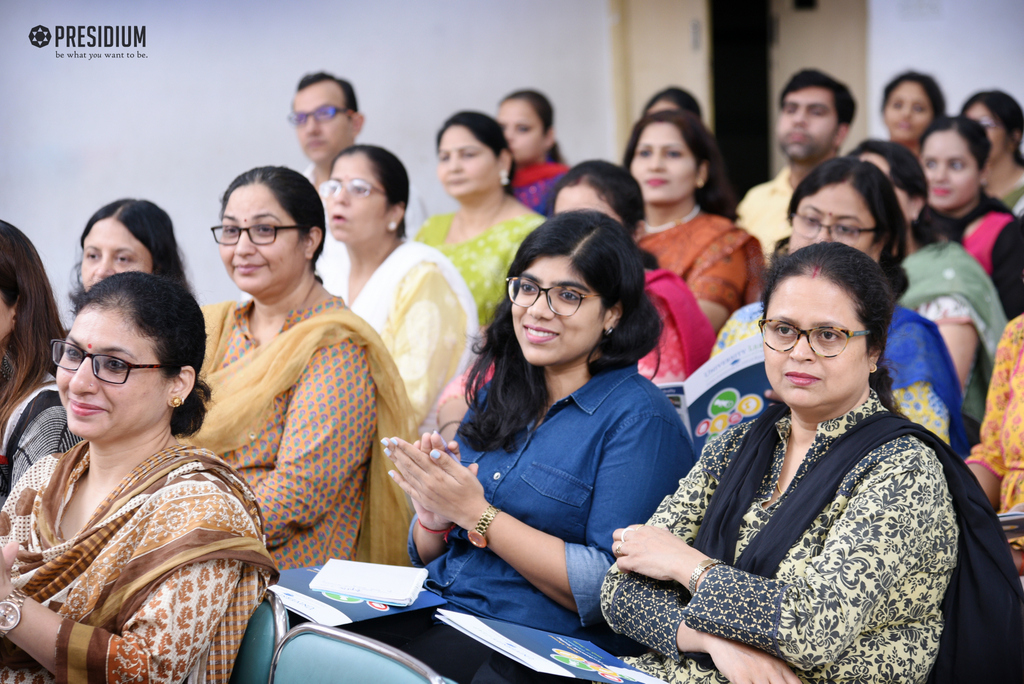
[(590, 397)]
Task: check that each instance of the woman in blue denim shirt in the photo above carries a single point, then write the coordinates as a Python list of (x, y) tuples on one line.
[(566, 443)]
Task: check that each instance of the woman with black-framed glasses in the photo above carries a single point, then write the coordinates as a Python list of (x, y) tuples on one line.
[(566, 442), (829, 539), (304, 388)]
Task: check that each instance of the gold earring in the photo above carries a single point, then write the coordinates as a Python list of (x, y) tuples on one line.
[(873, 368), (700, 183), (176, 402)]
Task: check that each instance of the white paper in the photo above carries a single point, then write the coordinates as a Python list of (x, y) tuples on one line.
[(629, 673), (743, 354), (469, 625), (390, 584), (310, 608)]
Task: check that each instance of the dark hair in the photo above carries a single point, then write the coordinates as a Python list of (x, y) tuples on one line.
[(346, 88), (931, 90), (389, 172), (1004, 108), (812, 78), (972, 132), (293, 192), (166, 313), (876, 190), (614, 184), (23, 282), (717, 196), (545, 112), (609, 261), (150, 225), (677, 96), (487, 131), (862, 279)]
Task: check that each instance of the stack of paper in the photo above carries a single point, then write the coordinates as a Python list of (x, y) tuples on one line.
[(391, 584)]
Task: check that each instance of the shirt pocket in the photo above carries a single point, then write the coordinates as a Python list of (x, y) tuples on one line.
[(561, 508)]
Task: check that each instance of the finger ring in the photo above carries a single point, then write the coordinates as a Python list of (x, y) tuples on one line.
[(622, 537), (616, 549)]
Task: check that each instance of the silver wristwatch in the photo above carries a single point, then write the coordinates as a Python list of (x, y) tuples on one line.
[(10, 611)]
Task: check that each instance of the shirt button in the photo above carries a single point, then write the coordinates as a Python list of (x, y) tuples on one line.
[(497, 476)]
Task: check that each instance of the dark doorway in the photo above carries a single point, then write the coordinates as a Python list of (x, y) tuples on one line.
[(740, 75)]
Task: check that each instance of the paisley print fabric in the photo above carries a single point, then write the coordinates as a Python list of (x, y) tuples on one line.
[(856, 599)]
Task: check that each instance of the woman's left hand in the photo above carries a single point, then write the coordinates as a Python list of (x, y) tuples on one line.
[(654, 552), (439, 482)]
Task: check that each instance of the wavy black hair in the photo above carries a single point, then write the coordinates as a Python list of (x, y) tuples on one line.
[(293, 192), (862, 279), (609, 262), (876, 190), (389, 172), (163, 311), (487, 131), (717, 196), (150, 225)]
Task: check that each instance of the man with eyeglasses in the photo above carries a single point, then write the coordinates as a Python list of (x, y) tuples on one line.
[(815, 113), (327, 120)]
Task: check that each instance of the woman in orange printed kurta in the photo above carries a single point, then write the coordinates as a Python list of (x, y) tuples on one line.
[(303, 389)]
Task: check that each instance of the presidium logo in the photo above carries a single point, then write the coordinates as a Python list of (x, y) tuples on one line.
[(91, 37)]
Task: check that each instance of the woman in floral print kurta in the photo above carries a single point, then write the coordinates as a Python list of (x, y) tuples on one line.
[(858, 596)]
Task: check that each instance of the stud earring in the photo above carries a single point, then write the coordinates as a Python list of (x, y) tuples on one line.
[(609, 331), (700, 183), (176, 402), (504, 177), (393, 225)]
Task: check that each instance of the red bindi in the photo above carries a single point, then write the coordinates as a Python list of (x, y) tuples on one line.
[(89, 346)]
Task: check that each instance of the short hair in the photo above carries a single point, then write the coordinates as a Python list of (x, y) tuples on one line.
[(164, 312), (876, 190), (864, 282), (717, 196), (541, 106), (346, 88), (23, 282), (609, 261), (150, 225), (972, 132), (677, 96), (389, 171), (931, 90), (812, 78), (1004, 108), (293, 192), (486, 130)]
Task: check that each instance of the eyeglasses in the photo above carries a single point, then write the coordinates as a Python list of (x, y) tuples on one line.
[(259, 234), (809, 227), (825, 342), (321, 114), (988, 122), (562, 301), (109, 369), (357, 187)]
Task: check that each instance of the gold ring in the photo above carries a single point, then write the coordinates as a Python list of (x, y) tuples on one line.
[(616, 549)]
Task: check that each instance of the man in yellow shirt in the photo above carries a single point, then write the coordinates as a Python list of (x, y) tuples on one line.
[(814, 118)]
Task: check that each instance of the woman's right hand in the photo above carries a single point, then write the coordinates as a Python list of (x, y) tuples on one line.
[(742, 664)]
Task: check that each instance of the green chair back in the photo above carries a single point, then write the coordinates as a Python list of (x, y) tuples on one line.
[(265, 630)]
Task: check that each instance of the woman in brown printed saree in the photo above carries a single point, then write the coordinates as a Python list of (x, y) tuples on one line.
[(131, 557)]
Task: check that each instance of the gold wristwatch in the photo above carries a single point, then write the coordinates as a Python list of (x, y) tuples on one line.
[(10, 611), (478, 535)]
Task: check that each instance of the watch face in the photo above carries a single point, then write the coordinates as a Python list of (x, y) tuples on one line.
[(475, 538), (9, 616)]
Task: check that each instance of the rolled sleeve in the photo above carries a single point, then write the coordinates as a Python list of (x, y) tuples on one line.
[(586, 567)]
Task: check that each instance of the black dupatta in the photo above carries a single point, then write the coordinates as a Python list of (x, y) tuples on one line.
[(983, 636)]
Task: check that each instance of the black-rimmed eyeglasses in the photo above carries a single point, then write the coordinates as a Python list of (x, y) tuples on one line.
[(563, 301), (259, 234), (105, 367)]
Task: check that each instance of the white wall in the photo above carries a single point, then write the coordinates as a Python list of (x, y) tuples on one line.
[(210, 99), (967, 45)]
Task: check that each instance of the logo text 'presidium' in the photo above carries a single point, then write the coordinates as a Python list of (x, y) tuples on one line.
[(100, 36)]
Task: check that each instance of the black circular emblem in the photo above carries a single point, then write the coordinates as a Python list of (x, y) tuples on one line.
[(39, 36)]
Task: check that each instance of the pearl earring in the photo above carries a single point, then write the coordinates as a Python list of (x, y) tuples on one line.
[(393, 225), (504, 177)]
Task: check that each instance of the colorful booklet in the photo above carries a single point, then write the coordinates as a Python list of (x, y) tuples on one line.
[(545, 651), (725, 391), (332, 609)]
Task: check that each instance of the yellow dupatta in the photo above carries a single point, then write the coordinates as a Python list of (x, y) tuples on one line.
[(243, 395)]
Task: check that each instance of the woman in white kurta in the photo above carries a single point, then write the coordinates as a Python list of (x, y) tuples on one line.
[(410, 293)]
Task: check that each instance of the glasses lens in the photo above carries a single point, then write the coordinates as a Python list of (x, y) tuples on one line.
[(564, 302), (58, 349), (226, 235), (806, 226), (297, 118), (325, 113), (110, 369), (780, 336), (828, 341), (262, 234), (330, 188), (357, 187), (522, 292)]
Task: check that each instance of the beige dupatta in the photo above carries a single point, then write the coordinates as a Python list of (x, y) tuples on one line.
[(243, 395)]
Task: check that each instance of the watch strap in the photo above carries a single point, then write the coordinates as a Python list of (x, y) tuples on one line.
[(485, 520), (701, 568)]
